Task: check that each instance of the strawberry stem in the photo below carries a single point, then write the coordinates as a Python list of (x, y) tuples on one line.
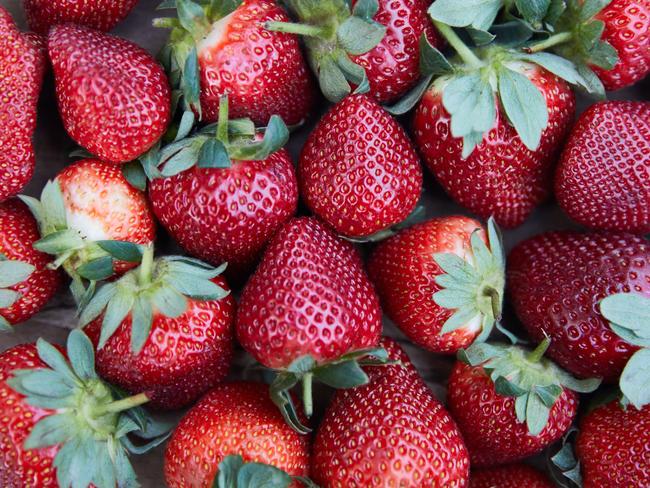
[(554, 40), (459, 46), (146, 266), (123, 404), (535, 355), (222, 124), (295, 28), (307, 394), (495, 300)]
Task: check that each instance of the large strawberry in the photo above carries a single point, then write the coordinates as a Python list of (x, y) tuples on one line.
[(22, 64), (62, 425), (222, 48), (509, 476), (309, 311), (603, 179), (26, 282), (358, 170), (511, 403), (556, 281), (164, 328), (224, 205), (114, 98), (98, 14), (390, 432), (440, 283), (232, 425)]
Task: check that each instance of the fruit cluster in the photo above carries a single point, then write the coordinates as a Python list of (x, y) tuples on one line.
[(194, 140)]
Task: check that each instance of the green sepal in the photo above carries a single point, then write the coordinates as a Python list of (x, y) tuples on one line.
[(5, 326), (134, 173), (12, 273), (479, 14), (566, 461), (233, 472), (357, 35)]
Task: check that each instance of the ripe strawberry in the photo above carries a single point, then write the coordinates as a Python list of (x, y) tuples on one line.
[(511, 403), (114, 98), (603, 179), (358, 170), (233, 419), (556, 281), (164, 328), (509, 476), (262, 72), (61, 424), (26, 282), (390, 432), (418, 272), (98, 14), (22, 64)]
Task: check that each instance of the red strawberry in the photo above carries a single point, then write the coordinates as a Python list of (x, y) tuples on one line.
[(509, 476), (418, 271), (511, 403), (262, 72), (114, 98), (22, 64), (358, 170), (26, 283), (61, 424), (233, 419), (98, 14), (556, 282), (166, 329), (603, 179), (390, 432)]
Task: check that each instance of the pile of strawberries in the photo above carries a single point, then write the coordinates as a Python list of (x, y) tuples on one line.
[(297, 265)]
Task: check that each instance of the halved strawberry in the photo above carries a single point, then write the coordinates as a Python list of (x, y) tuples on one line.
[(98, 14)]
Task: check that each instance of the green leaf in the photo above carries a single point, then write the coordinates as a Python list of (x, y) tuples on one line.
[(635, 379), (141, 322), (548, 394), (227, 473), (586, 385), (342, 375), (302, 365), (185, 125), (220, 8), (332, 81), (455, 266), (432, 61), (199, 289), (604, 55), (8, 298), (257, 475), (568, 464), (411, 98), (122, 250), (512, 33), (5, 326), (116, 311), (276, 136), (357, 36), (59, 242), (630, 336), (97, 270), (365, 9), (480, 37), (480, 14), (589, 34), (352, 71), (536, 414), (14, 272), (213, 154), (453, 298), (590, 8), (628, 310), (191, 80), (192, 17), (169, 302), (50, 431), (97, 304), (124, 471), (520, 408), (505, 388), (533, 10), (496, 242), (557, 65), (460, 318), (593, 85), (555, 11), (54, 205), (135, 175), (51, 356), (81, 354), (49, 383)]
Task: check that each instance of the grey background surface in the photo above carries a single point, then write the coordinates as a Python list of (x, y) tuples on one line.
[(52, 149)]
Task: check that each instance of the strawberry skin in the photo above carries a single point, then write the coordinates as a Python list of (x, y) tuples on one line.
[(321, 302), (501, 177), (488, 421), (234, 418), (98, 14), (227, 214), (613, 447), (358, 170), (390, 432), (18, 232), (603, 179), (128, 113), (509, 476), (22, 65), (556, 281)]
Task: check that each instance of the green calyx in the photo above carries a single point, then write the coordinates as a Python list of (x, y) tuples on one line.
[(12, 273), (235, 473), (532, 380), (566, 461), (629, 317), (332, 33), (473, 287), (91, 421), (161, 286), (342, 373)]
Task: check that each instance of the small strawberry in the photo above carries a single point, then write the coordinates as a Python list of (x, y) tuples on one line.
[(440, 283), (556, 281), (62, 426), (223, 49), (603, 179), (317, 318), (22, 64), (231, 425), (114, 98), (358, 171), (509, 476), (98, 14), (390, 432), (26, 282), (164, 328)]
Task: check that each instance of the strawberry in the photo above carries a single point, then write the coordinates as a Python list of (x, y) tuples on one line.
[(603, 179), (164, 328), (224, 49), (99, 14), (509, 476), (511, 403), (556, 281), (114, 98), (439, 282), (233, 424), (26, 282), (390, 432), (22, 65), (62, 425), (358, 170), (320, 315)]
